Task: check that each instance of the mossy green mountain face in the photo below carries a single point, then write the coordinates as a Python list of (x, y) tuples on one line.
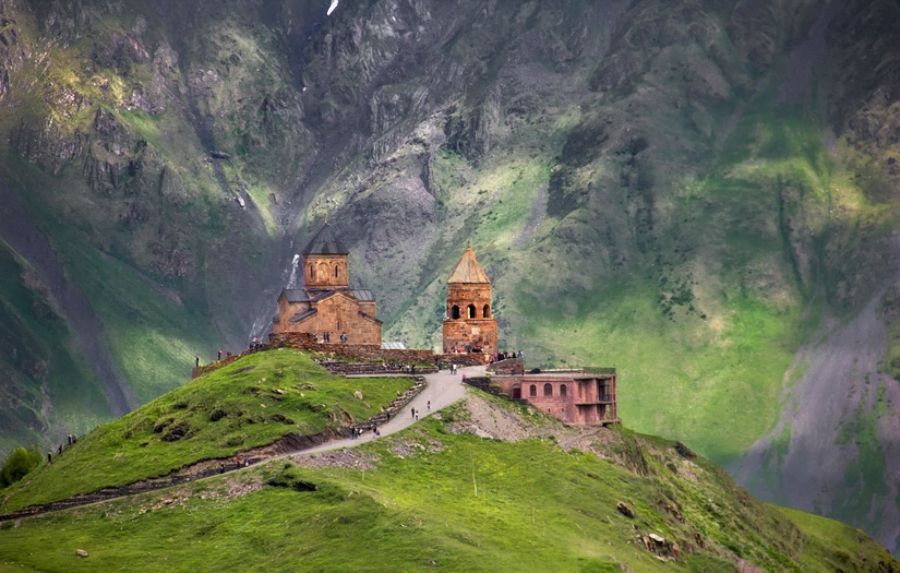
[(525, 493), (694, 192)]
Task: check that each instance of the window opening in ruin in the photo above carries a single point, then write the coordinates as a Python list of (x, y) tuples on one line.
[(471, 311), (562, 390), (548, 389), (454, 311), (486, 311), (532, 390)]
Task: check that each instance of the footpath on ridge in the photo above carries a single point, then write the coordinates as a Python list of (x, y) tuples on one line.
[(441, 390)]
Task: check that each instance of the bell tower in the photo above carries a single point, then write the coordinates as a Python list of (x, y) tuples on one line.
[(469, 326)]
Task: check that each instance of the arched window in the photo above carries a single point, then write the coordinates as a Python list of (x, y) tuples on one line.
[(335, 271), (454, 312), (486, 311), (548, 389), (532, 390), (312, 271), (562, 390), (471, 311)]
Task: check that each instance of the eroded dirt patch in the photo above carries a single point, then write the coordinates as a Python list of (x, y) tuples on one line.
[(348, 459)]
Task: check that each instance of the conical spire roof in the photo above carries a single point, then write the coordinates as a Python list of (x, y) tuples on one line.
[(325, 243), (468, 270)]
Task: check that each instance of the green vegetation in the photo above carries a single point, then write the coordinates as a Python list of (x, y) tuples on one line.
[(866, 474), (18, 464), (251, 402), (153, 338), (40, 367), (433, 499)]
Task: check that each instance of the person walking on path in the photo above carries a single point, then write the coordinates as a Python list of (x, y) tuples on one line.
[(429, 405), (413, 412)]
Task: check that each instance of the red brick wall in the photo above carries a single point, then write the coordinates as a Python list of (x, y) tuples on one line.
[(579, 391)]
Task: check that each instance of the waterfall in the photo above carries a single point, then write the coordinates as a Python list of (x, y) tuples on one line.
[(295, 265)]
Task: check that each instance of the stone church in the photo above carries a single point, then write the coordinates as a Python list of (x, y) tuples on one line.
[(469, 324), (325, 305)]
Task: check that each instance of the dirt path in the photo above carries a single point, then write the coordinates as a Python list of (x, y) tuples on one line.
[(441, 390)]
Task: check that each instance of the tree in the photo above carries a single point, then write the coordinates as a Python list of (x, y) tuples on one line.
[(18, 463)]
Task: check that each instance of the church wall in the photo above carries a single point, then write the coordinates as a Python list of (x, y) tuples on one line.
[(285, 311), (368, 308), (340, 314)]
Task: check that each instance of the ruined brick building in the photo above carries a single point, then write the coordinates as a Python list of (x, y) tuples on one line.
[(325, 305), (469, 324), (581, 397)]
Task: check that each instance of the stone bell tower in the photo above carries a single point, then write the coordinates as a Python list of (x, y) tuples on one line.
[(469, 326)]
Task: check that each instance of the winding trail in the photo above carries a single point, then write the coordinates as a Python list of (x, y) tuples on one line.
[(441, 390)]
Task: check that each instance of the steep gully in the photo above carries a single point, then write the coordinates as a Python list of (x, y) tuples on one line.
[(441, 390), (19, 230), (837, 377)]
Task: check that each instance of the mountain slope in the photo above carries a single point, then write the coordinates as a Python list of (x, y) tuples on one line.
[(690, 192), (527, 494), (251, 402)]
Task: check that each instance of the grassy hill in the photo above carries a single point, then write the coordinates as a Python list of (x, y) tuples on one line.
[(251, 402), (528, 495)]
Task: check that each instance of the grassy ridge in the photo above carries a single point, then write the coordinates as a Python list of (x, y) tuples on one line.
[(437, 500), (248, 403)]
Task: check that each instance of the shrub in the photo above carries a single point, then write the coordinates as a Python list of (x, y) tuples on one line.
[(19, 462)]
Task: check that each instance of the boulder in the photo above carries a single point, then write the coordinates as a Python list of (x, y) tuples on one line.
[(625, 509)]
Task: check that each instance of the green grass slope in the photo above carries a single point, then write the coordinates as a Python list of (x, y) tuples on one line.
[(438, 497), (45, 386), (251, 402)]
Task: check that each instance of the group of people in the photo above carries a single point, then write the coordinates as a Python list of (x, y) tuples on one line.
[(415, 413), (358, 432), (70, 441), (506, 355), (326, 337), (255, 345)]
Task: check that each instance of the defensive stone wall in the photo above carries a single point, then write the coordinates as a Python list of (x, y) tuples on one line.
[(508, 366), (393, 360), (375, 368), (484, 384)]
